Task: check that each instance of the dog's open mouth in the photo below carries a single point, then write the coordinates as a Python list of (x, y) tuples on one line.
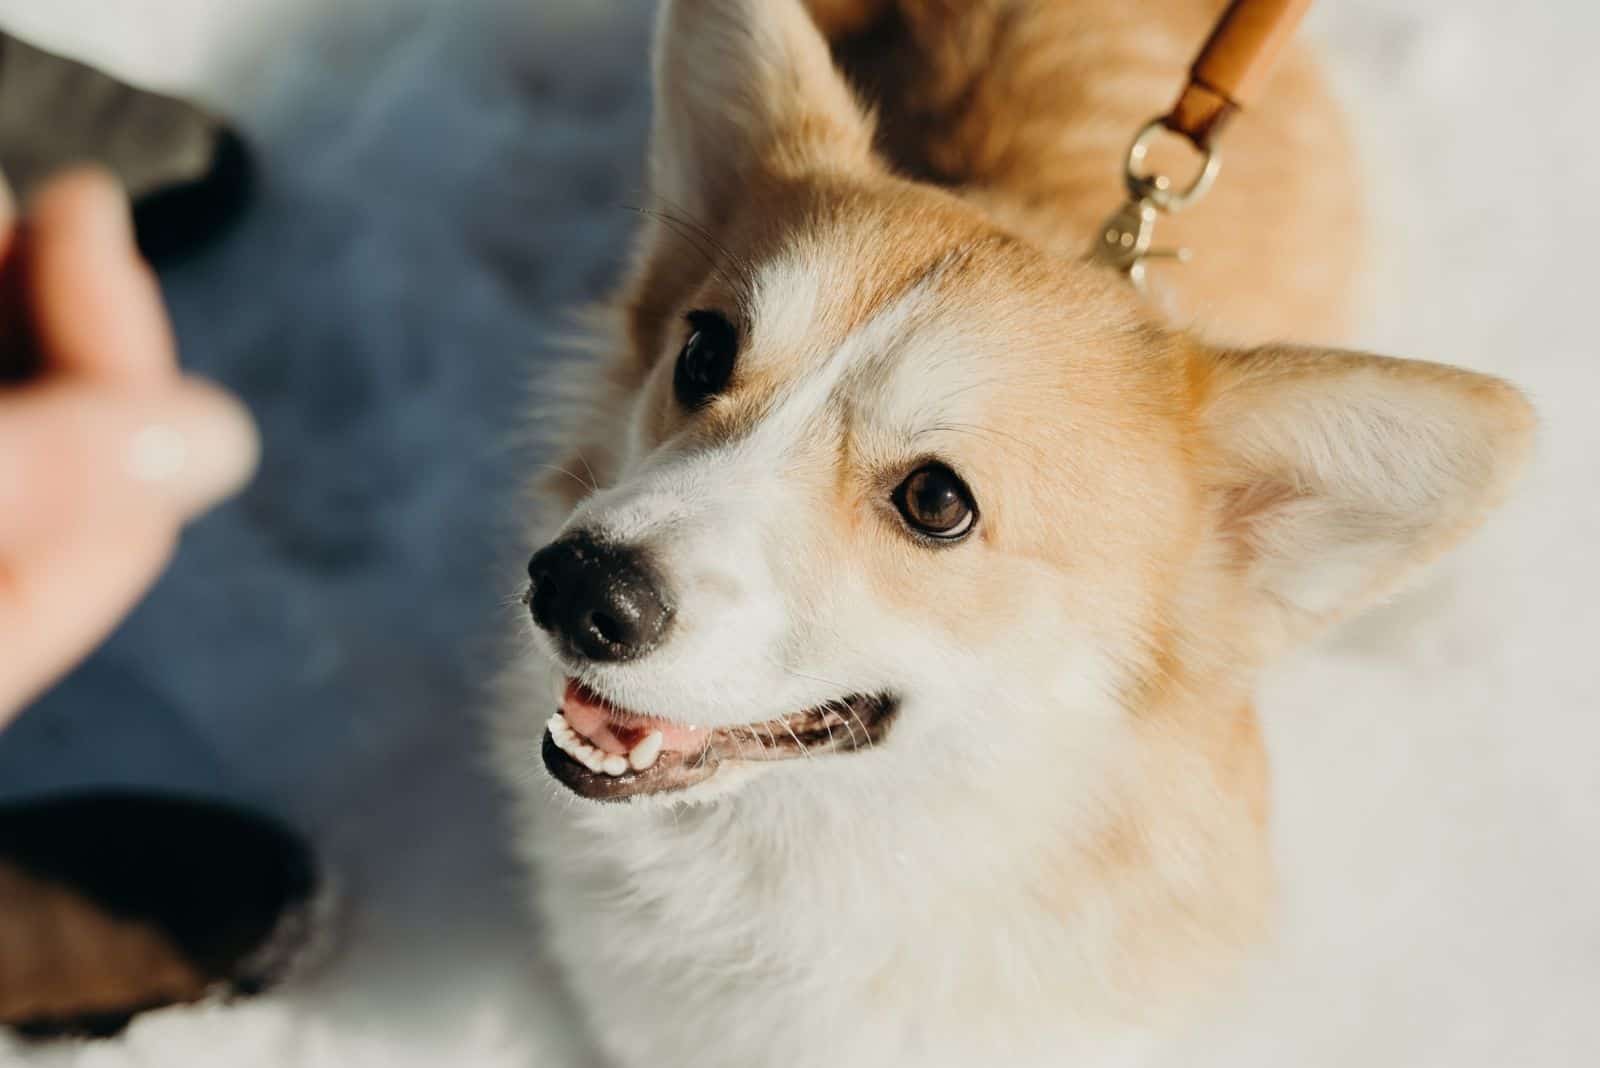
[(607, 753)]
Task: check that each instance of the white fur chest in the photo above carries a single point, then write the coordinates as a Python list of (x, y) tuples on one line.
[(727, 935)]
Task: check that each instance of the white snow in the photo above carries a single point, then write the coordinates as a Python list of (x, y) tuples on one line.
[(444, 181)]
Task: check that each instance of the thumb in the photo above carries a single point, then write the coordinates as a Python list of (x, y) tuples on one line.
[(73, 452)]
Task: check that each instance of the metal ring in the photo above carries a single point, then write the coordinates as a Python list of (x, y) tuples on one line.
[(1155, 187)]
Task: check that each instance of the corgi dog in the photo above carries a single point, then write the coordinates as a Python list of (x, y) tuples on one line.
[(894, 616)]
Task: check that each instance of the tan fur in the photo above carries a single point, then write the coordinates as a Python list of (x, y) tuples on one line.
[(1028, 108)]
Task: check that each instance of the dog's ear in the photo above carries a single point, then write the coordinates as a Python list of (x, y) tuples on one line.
[(744, 86), (1334, 475)]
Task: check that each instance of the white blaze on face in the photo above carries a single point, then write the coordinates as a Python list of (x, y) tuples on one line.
[(734, 529)]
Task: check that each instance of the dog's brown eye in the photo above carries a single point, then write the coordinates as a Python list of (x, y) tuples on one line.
[(935, 502), (706, 362)]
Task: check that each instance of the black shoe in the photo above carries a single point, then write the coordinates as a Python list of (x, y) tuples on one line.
[(112, 904), (186, 172)]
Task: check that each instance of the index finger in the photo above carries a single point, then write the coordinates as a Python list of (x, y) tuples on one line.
[(93, 302)]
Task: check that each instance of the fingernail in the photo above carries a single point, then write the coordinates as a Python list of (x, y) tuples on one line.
[(202, 448)]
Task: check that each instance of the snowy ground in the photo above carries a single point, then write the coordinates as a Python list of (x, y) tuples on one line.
[(444, 182)]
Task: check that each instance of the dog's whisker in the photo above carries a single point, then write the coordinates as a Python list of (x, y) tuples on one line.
[(563, 471), (988, 432), (686, 218), (594, 483), (865, 733), (834, 709), (781, 666), (683, 231), (803, 750), (698, 238), (826, 725), (755, 738), (837, 704)]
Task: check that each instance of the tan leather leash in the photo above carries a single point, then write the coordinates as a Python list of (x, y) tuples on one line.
[(1224, 79)]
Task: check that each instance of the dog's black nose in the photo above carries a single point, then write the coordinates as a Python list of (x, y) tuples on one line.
[(601, 601)]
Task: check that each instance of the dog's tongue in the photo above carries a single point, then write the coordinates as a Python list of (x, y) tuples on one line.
[(613, 731)]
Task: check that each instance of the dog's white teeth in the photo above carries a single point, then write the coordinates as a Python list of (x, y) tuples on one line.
[(572, 744), (645, 754), (575, 745)]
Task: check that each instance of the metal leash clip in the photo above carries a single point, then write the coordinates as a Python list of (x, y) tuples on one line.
[(1127, 237)]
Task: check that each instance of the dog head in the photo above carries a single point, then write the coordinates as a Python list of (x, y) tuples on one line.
[(879, 484)]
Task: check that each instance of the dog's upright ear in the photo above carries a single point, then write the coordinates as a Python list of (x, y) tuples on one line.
[(742, 87), (1334, 475), (746, 91)]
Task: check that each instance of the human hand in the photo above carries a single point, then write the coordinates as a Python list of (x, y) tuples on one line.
[(106, 450)]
